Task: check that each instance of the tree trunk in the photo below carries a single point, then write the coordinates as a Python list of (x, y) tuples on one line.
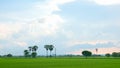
[(47, 53), (50, 54)]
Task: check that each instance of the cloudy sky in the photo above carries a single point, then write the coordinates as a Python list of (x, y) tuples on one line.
[(70, 25)]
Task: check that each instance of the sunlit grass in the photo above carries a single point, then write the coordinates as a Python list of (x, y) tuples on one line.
[(59, 63)]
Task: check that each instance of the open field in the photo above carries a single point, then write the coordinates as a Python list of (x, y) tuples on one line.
[(59, 63)]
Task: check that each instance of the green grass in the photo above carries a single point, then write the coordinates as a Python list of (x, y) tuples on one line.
[(59, 63)]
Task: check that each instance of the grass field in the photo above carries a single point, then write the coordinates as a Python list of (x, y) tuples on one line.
[(59, 63)]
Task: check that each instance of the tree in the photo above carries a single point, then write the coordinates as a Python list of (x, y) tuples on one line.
[(86, 53), (47, 48), (30, 50), (26, 53), (9, 55), (116, 54), (34, 48), (107, 55), (51, 48), (34, 53)]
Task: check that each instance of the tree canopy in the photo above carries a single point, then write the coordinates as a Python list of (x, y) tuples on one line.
[(86, 53)]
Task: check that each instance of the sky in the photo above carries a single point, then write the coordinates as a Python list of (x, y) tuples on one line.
[(70, 25)]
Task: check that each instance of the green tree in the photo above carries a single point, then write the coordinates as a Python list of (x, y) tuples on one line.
[(51, 48), (26, 53), (86, 53), (107, 55), (9, 55), (116, 54), (30, 50), (34, 48), (47, 48), (34, 53)]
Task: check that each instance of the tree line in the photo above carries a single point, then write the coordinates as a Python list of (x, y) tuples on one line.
[(88, 53), (31, 51), (114, 54)]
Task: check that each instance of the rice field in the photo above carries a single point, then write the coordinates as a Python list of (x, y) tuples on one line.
[(59, 63)]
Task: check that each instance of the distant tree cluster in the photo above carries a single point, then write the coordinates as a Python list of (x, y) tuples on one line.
[(107, 55), (9, 55), (116, 54), (31, 52)]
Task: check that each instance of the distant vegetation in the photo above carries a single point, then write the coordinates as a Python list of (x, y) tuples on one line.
[(116, 54), (86, 53), (31, 51), (107, 55), (9, 55)]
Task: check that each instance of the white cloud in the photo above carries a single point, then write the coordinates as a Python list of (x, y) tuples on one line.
[(77, 42), (48, 26), (61, 1), (20, 43), (50, 6), (32, 24), (49, 22), (6, 30), (106, 2), (94, 42)]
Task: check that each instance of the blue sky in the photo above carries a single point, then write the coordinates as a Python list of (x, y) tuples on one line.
[(70, 25)]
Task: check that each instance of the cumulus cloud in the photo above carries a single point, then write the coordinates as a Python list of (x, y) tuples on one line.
[(40, 21), (48, 26), (31, 24), (94, 42), (20, 43), (8, 29), (50, 6), (45, 24), (106, 2)]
